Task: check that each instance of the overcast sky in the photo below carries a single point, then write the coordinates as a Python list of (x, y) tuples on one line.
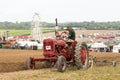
[(64, 10)]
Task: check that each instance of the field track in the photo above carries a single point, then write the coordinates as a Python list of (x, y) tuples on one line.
[(14, 60)]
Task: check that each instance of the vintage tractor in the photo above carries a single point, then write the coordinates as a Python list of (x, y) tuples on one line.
[(62, 51), (58, 52)]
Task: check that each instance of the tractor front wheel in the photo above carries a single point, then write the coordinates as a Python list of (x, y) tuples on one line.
[(61, 64), (30, 63)]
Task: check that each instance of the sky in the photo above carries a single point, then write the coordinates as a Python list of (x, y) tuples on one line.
[(64, 10)]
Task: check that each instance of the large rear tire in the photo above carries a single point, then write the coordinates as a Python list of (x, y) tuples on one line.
[(61, 64), (30, 63), (81, 56)]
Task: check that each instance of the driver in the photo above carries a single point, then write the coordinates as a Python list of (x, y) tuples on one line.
[(71, 33), (71, 38)]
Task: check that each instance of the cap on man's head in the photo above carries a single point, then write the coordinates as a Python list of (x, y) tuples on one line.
[(69, 27)]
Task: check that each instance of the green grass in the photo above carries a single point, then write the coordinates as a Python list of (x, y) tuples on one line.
[(24, 32)]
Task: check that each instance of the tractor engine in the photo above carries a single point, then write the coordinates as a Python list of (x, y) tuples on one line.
[(61, 48), (52, 47), (49, 47)]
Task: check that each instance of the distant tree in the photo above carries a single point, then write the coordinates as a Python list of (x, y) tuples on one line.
[(80, 25)]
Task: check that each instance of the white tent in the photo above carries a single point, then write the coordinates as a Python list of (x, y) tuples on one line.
[(30, 43), (98, 45), (116, 48)]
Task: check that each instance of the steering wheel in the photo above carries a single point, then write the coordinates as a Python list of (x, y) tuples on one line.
[(64, 35)]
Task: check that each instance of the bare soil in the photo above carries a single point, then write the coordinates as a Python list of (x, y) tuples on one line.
[(14, 60)]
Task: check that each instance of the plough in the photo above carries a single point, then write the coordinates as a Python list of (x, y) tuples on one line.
[(94, 60)]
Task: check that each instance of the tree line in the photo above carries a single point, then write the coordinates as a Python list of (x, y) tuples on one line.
[(79, 25)]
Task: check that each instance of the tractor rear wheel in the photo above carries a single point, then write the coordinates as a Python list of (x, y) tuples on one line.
[(81, 56), (61, 64), (30, 63)]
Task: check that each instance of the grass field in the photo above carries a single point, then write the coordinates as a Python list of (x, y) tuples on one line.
[(24, 32)]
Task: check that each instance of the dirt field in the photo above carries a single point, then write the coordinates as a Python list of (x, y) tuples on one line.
[(14, 60)]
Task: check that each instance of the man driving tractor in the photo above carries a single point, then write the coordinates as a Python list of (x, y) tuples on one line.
[(71, 33), (71, 38), (68, 35)]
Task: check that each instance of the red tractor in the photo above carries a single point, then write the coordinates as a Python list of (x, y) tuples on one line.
[(59, 53)]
